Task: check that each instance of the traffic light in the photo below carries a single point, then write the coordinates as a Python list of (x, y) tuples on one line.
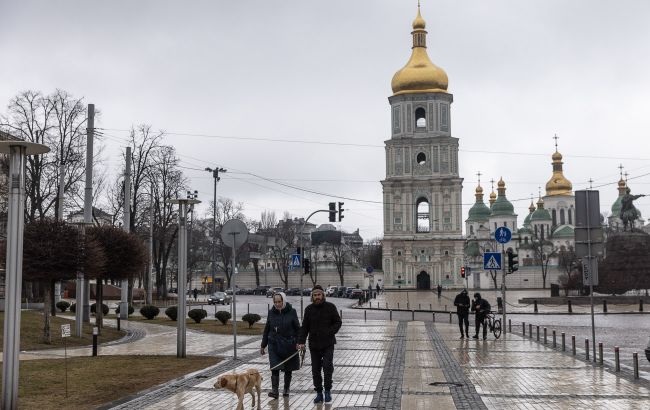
[(332, 211), (462, 271), (341, 211), (513, 263), (307, 266)]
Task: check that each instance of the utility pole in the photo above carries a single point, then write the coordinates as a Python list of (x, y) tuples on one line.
[(151, 269), (57, 284), (215, 175), (17, 151), (124, 302)]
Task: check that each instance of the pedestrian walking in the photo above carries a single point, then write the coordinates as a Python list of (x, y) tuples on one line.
[(481, 308), (439, 291), (462, 304), (321, 322), (195, 292), (281, 335), (378, 288)]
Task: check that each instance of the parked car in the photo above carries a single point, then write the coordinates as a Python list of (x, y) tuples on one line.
[(355, 293), (348, 291), (342, 291), (306, 292), (172, 290), (261, 290), (219, 298), (271, 291), (292, 292), (229, 291), (331, 291)]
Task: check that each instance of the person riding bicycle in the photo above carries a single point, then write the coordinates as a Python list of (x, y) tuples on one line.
[(481, 308)]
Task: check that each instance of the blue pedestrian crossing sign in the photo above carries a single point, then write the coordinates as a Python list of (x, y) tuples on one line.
[(295, 260), (492, 261), (502, 234)]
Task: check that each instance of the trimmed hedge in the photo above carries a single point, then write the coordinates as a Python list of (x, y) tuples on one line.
[(251, 319), (149, 311), (223, 316), (62, 305), (172, 312), (131, 310), (197, 315), (93, 309)]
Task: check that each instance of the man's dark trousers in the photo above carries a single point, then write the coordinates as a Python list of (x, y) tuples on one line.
[(463, 318), (322, 359), (480, 320)]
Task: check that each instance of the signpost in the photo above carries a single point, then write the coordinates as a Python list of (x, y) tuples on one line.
[(65, 332), (234, 234), (503, 236)]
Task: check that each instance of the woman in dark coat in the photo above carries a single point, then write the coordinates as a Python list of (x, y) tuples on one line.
[(280, 335)]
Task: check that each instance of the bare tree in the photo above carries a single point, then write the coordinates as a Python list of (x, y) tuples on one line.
[(543, 251), (227, 209)]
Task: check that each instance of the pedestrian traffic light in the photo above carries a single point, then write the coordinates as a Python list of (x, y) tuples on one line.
[(513, 263), (341, 211), (307, 266), (462, 271), (332, 211)]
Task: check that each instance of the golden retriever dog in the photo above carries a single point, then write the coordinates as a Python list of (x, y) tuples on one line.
[(242, 383)]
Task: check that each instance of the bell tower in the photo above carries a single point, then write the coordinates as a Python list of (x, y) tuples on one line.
[(423, 244)]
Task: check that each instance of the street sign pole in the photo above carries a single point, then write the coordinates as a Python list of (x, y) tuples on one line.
[(503, 236)]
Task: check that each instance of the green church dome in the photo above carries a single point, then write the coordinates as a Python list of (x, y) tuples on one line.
[(479, 212), (502, 206), (540, 214), (564, 231)]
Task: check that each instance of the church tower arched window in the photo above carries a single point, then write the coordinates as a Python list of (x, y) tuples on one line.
[(570, 217), (554, 214), (562, 220), (420, 118), (423, 219)]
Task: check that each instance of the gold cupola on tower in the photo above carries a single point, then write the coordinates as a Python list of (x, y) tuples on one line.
[(419, 75), (558, 184)]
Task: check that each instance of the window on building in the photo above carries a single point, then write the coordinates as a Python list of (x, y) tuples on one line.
[(421, 158), (562, 221), (420, 118), (554, 216), (570, 217), (423, 219), (471, 230)]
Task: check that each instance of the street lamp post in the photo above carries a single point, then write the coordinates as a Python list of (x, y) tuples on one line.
[(183, 205), (17, 151), (215, 175)]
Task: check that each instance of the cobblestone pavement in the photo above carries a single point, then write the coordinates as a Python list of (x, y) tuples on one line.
[(404, 364)]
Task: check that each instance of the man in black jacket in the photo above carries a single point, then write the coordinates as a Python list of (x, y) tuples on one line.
[(321, 323), (481, 308), (462, 309)]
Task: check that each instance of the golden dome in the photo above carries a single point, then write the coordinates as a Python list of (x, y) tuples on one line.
[(479, 189), (558, 184), (493, 195), (531, 208), (501, 184), (419, 75)]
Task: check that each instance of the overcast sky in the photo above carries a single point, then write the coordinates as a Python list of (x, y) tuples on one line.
[(246, 74)]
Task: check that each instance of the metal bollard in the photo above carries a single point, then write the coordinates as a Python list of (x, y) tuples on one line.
[(570, 308), (434, 316), (537, 332), (573, 344), (364, 315), (554, 339), (600, 353), (535, 306), (430, 307), (386, 305), (248, 308), (419, 307), (445, 308), (587, 349), (449, 317), (530, 330), (397, 305), (339, 311), (390, 314), (617, 361), (523, 328), (95, 333), (408, 306), (635, 359), (412, 314), (545, 336), (509, 325), (640, 306), (563, 342), (118, 322), (604, 306)]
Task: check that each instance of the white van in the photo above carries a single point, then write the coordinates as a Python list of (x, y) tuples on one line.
[(332, 291)]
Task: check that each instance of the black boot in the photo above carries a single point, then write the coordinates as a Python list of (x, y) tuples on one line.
[(287, 384), (275, 382)]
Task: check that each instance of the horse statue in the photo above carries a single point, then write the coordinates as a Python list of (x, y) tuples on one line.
[(629, 213)]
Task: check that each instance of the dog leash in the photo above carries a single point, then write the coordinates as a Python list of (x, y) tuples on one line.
[(302, 359)]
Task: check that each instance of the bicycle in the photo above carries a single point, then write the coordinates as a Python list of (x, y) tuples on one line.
[(494, 324)]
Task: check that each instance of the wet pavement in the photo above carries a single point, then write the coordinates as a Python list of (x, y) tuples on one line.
[(409, 362)]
